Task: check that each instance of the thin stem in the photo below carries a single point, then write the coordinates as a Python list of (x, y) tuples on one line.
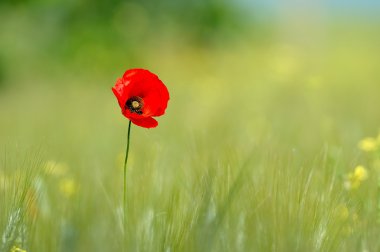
[(125, 181)]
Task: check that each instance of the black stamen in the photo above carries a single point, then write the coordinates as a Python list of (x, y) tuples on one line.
[(135, 105)]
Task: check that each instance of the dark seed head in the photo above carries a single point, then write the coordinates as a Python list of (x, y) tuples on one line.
[(135, 104)]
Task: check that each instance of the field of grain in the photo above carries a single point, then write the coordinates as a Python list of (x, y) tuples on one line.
[(267, 144)]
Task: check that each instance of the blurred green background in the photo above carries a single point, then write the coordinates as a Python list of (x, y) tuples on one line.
[(290, 86), (281, 69), (272, 56)]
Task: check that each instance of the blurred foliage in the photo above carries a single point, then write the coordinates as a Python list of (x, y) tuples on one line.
[(201, 20), (2, 73), (76, 37)]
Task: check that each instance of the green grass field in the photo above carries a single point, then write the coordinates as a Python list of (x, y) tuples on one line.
[(258, 151)]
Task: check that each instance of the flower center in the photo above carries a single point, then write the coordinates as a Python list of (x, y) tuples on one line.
[(135, 104)]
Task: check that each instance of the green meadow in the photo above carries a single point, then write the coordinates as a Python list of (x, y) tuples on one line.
[(267, 144)]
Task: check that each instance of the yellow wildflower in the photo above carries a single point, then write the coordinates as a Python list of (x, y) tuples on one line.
[(68, 187), (355, 178), (360, 173), (368, 144), (17, 249)]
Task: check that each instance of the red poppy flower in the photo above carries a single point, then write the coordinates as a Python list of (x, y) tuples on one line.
[(141, 96)]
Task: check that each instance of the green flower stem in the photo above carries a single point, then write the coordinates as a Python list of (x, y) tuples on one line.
[(125, 183)]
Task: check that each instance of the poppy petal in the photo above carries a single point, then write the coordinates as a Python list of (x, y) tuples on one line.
[(131, 72), (160, 98), (143, 84), (155, 103), (151, 89), (155, 95), (147, 87), (128, 114), (121, 92), (147, 122)]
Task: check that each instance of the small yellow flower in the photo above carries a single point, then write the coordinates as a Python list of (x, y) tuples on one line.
[(355, 178), (17, 249), (68, 187), (369, 144), (360, 173)]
